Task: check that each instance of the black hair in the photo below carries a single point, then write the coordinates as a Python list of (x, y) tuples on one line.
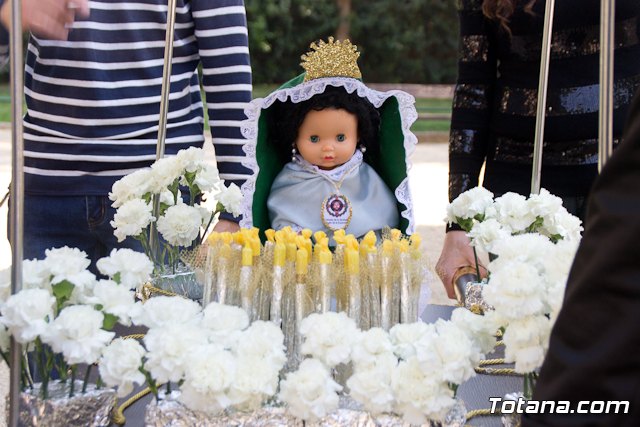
[(285, 118)]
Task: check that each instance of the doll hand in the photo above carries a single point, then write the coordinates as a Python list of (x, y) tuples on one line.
[(456, 253), (226, 225)]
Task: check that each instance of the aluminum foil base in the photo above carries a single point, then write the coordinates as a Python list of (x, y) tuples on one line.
[(514, 419), (473, 300), (182, 282), (90, 409)]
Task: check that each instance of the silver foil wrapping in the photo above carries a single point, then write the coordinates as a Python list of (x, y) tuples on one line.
[(180, 281), (473, 300), (355, 298), (277, 290), (221, 282), (208, 291), (171, 413), (90, 409), (514, 419), (246, 291), (408, 314), (373, 289), (386, 293), (324, 291)]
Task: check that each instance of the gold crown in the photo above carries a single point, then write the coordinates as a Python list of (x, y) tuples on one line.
[(332, 59)]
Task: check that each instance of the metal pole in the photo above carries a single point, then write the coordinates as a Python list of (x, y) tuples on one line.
[(542, 96), (17, 194), (605, 116), (164, 108)]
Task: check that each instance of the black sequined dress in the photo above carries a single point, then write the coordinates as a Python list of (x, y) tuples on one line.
[(495, 99)]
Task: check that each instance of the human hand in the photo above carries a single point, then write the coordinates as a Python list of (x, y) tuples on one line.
[(226, 225), (47, 18), (456, 253)]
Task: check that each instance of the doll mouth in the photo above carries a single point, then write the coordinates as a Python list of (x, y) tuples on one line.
[(329, 158)]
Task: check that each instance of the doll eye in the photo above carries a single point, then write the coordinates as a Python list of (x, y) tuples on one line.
[(314, 138), (340, 137)]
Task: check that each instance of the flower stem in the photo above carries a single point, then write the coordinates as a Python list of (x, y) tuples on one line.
[(86, 378), (475, 256), (73, 381)]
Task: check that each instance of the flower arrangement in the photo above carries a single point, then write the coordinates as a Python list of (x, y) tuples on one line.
[(183, 219), (64, 314), (414, 369), (532, 242), (218, 358)]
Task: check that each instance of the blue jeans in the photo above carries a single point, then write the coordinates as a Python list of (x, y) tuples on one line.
[(75, 221)]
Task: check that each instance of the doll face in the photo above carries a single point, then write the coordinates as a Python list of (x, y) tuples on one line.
[(328, 138)]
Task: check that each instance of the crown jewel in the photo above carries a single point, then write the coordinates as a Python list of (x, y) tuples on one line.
[(331, 59)]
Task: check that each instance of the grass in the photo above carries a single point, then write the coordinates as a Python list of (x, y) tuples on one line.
[(423, 105)]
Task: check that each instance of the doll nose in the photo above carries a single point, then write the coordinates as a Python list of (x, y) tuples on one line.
[(327, 147)]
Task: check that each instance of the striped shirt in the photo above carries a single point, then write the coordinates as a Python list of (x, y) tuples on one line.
[(93, 101)]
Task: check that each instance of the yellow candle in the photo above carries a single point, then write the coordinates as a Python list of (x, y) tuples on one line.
[(226, 237), (319, 235), (271, 235), (324, 256), (387, 247), (247, 256), (301, 261), (255, 245), (291, 251), (395, 234), (225, 250), (369, 239), (352, 261), (279, 254), (416, 240), (213, 238), (306, 233), (339, 236)]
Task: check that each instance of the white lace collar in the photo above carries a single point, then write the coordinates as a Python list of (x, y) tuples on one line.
[(335, 174)]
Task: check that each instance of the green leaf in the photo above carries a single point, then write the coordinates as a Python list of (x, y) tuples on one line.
[(109, 321), (62, 291), (117, 278)]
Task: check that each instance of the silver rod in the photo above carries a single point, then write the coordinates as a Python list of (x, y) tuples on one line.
[(164, 108), (542, 96), (605, 116), (17, 194)]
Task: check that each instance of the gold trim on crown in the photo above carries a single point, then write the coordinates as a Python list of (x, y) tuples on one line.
[(331, 59)]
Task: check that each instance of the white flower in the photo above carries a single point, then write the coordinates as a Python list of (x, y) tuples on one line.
[(27, 313), (372, 388), (35, 274), (209, 372), (310, 392), (116, 300), (132, 218), (373, 349), (328, 337), (180, 224), (526, 341), (132, 268), (231, 198), (191, 159), (65, 262), (470, 204), (163, 311), (164, 172), (450, 355), (544, 204), (419, 396), (515, 290), (207, 178), (129, 187), (224, 323), (512, 211), (77, 333), (562, 223), (264, 341), (168, 348), (485, 233), (5, 284), (481, 329), (529, 248), (120, 363), (256, 380), (405, 335)]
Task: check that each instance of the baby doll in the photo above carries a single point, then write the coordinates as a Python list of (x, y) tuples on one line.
[(328, 152)]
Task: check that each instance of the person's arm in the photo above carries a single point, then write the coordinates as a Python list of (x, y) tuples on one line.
[(45, 18), (470, 121), (226, 73)]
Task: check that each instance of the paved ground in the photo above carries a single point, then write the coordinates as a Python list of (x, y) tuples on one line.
[(428, 179)]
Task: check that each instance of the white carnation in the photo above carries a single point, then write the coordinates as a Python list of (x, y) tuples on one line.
[(512, 211), (231, 198), (5, 338), (115, 299), (470, 204), (133, 268), (26, 314), (328, 337), (224, 323), (544, 203), (372, 388), (168, 348), (35, 274), (405, 335), (207, 178), (515, 290), (264, 341), (373, 349), (163, 311), (256, 380), (163, 173), (129, 187), (310, 393), (132, 218), (120, 363), (209, 372), (77, 333), (180, 224), (481, 329), (526, 341), (485, 233), (191, 159), (65, 262)]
